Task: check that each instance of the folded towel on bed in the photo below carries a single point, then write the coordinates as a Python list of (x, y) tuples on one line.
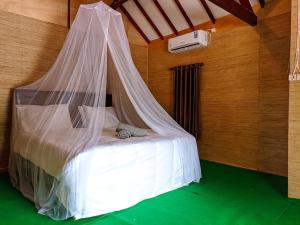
[(123, 134), (126, 131)]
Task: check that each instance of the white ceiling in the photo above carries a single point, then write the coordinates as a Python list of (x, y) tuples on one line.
[(193, 8)]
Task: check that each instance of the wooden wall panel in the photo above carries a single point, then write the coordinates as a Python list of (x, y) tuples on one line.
[(28, 48), (53, 11), (294, 141), (244, 92), (10, 55), (294, 118), (274, 92), (140, 58)]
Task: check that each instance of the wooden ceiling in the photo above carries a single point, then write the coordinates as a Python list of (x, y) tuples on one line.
[(155, 19)]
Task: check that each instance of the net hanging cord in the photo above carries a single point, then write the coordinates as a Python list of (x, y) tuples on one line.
[(296, 58)]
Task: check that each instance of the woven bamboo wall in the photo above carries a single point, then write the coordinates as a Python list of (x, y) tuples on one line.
[(244, 89), (294, 118)]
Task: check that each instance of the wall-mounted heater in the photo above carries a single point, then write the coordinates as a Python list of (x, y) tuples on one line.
[(195, 39)]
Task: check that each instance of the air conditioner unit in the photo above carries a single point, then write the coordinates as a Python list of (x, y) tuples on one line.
[(196, 39)]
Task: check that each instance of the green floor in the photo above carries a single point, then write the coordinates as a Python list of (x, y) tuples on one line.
[(225, 196)]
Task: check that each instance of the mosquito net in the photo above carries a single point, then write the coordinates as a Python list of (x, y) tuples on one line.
[(64, 113)]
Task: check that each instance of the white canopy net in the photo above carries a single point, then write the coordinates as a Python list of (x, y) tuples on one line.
[(51, 120)]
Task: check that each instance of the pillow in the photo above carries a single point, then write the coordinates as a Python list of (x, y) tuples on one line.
[(110, 121), (56, 117)]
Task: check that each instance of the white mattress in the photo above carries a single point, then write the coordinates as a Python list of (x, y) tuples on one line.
[(118, 173)]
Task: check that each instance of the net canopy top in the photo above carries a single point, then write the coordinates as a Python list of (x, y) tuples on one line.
[(100, 6)]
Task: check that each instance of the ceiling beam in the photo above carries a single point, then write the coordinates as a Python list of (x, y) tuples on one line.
[(208, 11), (165, 16), (262, 3), (117, 3), (184, 14), (237, 10), (148, 19), (247, 4), (134, 23)]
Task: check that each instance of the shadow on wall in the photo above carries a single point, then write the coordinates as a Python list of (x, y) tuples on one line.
[(33, 46)]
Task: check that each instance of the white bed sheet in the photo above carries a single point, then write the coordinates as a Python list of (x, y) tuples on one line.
[(118, 173)]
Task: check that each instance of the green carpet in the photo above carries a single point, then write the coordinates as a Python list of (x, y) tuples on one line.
[(225, 196)]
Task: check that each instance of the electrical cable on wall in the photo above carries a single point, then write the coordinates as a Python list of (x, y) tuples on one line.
[(295, 72)]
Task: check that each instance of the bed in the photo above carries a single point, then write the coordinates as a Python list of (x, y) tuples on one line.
[(112, 175)]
